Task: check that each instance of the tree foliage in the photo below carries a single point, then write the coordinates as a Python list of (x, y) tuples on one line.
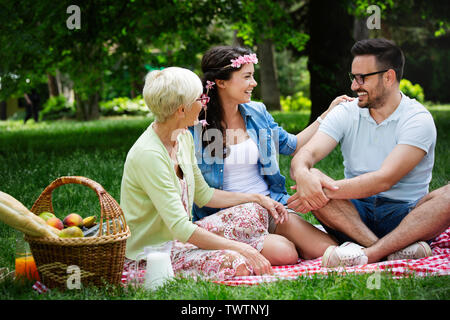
[(119, 42), (114, 37)]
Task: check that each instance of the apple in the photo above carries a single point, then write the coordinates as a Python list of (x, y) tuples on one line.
[(46, 215), (73, 220), (56, 223)]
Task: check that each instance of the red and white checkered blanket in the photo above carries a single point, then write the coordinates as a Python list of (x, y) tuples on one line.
[(437, 265)]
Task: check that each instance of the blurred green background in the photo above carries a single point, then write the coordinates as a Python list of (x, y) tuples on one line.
[(90, 60)]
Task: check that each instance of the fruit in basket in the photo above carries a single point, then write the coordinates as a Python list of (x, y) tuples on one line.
[(56, 223), (73, 220), (46, 215), (89, 221), (71, 232)]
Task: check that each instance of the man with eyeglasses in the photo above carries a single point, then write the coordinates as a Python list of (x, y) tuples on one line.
[(382, 208)]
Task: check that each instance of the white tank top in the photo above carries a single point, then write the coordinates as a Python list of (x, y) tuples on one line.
[(240, 169)]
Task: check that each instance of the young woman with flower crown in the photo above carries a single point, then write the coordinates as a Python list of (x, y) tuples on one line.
[(237, 143)]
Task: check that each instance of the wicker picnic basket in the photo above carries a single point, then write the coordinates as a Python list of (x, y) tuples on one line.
[(99, 258)]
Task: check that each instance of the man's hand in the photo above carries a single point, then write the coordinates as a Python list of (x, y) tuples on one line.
[(311, 195)]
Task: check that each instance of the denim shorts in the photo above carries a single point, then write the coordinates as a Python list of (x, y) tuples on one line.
[(380, 214)]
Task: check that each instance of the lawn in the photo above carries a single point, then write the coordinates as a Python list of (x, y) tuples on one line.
[(33, 155)]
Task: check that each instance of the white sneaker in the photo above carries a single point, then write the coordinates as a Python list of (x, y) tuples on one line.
[(417, 250), (347, 255)]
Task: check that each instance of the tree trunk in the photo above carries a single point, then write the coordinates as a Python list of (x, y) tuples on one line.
[(270, 92), (136, 88), (132, 90), (360, 30), (237, 41), (329, 53), (52, 85), (2, 110), (87, 109)]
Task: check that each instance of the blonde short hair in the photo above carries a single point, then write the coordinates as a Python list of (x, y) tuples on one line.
[(166, 90)]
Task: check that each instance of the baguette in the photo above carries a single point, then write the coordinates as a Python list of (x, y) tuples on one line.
[(16, 215)]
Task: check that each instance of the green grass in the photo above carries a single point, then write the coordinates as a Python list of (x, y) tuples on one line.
[(333, 287), (33, 155)]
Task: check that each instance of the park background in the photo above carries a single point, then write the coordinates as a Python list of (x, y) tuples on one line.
[(90, 76), (85, 57)]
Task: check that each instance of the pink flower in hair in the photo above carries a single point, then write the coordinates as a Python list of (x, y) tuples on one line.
[(251, 58), (203, 122), (236, 63), (248, 58), (209, 85)]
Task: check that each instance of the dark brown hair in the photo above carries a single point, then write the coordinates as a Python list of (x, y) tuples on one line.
[(388, 55)]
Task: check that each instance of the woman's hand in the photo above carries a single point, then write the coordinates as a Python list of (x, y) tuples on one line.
[(276, 209), (256, 260), (335, 102), (206, 240), (343, 98)]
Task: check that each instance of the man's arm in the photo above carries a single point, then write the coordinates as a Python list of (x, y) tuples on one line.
[(402, 159), (310, 195)]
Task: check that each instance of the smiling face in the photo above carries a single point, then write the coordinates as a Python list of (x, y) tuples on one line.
[(371, 94), (238, 89)]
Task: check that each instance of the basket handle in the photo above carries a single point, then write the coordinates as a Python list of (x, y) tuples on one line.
[(110, 209)]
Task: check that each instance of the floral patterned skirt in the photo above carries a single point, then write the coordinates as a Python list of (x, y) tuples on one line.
[(246, 223)]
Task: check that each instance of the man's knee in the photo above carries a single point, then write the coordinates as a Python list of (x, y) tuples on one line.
[(442, 195), (442, 192), (445, 194)]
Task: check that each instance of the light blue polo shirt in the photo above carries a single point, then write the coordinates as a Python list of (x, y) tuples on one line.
[(365, 144)]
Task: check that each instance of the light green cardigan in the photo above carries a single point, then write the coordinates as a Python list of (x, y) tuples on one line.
[(150, 194)]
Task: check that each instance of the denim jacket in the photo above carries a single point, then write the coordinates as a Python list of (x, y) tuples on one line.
[(271, 140)]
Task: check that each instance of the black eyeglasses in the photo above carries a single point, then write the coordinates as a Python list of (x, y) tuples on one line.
[(360, 77), (204, 99)]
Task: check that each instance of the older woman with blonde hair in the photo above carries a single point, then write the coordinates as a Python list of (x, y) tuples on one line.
[(161, 181)]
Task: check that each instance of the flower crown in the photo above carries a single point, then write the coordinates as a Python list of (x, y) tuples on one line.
[(239, 61), (235, 63)]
